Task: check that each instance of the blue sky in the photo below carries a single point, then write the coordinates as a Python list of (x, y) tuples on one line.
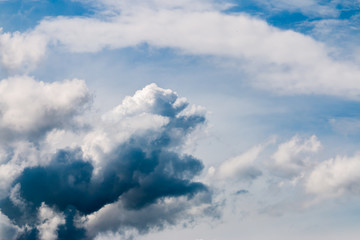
[(156, 113)]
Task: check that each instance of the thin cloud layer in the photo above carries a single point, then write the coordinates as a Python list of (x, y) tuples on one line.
[(65, 195), (307, 7)]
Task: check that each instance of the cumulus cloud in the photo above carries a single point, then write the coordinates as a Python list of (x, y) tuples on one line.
[(292, 157), (290, 62), (129, 161), (159, 113), (29, 111), (335, 177)]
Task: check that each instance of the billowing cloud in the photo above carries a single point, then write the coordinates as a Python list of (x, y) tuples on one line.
[(158, 113), (129, 161), (29, 111)]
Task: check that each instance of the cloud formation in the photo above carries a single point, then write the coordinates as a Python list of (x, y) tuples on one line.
[(129, 161), (290, 62)]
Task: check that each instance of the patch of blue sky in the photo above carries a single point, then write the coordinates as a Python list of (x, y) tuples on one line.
[(249, 7), (139, 60), (284, 19), (20, 15), (295, 17), (312, 113), (348, 13)]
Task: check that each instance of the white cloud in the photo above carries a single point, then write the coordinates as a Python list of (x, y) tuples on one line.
[(286, 62), (240, 167), (335, 177), (49, 222), (151, 99), (15, 197), (30, 108), (194, 32), (149, 109), (292, 157), (21, 50)]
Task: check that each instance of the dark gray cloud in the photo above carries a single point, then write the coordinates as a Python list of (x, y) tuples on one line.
[(138, 177)]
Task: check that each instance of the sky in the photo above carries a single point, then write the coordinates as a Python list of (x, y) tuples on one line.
[(196, 120)]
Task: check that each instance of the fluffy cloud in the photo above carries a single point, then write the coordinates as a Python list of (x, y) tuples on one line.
[(29, 109), (21, 50), (335, 177), (292, 157), (290, 62), (154, 110), (128, 161)]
